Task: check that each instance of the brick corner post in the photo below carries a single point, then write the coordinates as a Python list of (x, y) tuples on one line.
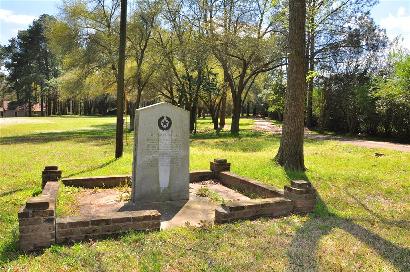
[(37, 220), (302, 194), (50, 173), (219, 165)]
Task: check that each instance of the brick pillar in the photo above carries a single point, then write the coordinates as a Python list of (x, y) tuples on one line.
[(50, 173), (302, 194), (220, 165), (36, 224), (37, 220)]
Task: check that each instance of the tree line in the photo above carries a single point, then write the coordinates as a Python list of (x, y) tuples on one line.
[(220, 57)]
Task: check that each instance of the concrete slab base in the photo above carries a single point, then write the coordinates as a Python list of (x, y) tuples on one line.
[(197, 211)]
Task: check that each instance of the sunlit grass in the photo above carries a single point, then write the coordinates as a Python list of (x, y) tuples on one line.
[(362, 221)]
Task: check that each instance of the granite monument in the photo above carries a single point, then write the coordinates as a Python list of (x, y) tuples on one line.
[(161, 154)]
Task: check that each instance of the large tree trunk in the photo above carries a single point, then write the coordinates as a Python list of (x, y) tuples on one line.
[(214, 111), (236, 114), (192, 121), (119, 141), (48, 105), (42, 104), (311, 68), (215, 121), (193, 117), (134, 107), (222, 113), (198, 114), (290, 154), (30, 107)]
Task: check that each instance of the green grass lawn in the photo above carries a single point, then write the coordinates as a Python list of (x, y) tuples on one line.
[(362, 220)]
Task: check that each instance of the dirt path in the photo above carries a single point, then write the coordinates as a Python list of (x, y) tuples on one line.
[(22, 120), (266, 125)]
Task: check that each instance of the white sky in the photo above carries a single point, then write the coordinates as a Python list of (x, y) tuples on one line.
[(393, 15)]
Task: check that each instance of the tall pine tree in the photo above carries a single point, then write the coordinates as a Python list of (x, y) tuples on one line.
[(290, 154)]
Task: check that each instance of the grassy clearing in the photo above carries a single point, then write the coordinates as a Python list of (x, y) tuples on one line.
[(362, 221)]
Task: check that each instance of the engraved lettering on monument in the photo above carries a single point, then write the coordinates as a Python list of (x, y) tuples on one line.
[(161, 154)]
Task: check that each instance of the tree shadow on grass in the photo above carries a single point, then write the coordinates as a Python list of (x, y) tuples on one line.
[(2, 194), (95, 135), (90, 169), (302, 253), (212, 134), (9, 251), (246, 141), (397, 223)]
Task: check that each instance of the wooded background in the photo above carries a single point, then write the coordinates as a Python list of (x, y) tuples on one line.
[(222, 58)]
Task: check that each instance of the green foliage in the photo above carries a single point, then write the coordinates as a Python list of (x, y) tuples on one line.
[(274, 93), (30, 64), (86, 43), (311, 75), (393, 98), (396, 88)]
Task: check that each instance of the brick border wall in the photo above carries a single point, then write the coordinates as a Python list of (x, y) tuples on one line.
[(198, 176), (115, 181), (39, 227), (98, 182), (267, 200), (247, 186), (37, 219), (254, 208), (81, 228), (299, 197)]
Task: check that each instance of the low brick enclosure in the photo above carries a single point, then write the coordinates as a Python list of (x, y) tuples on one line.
[(81, 228), (122, 180), (40, 227), (98, 182), (266, 200)]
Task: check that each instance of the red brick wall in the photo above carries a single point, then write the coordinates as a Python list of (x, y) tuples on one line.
[(80, 228), (197, 176), (98, 182), (268, 207), (248, 187)]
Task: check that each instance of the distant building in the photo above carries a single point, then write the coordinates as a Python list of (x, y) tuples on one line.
[(10, 109)]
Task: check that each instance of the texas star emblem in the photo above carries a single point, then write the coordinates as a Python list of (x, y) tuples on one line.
[(164, 123)]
